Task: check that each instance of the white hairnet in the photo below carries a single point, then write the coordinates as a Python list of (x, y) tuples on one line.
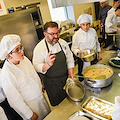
[(7, 44), (84, 18), (103, 0)]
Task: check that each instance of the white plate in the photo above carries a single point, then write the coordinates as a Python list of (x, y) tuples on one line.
[(115, 58)]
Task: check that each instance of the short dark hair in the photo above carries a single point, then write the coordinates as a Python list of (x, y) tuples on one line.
[(50, 24), (117, 8)]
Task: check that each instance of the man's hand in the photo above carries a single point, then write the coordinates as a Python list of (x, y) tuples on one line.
[(51, 58), (34, 116), (99, 56), (118, 30), (79, 52)]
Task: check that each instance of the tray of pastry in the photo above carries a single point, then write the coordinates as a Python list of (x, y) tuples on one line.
[(99, 108), (79, 115)]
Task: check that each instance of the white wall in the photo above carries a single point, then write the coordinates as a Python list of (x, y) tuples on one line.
[(79, 9)]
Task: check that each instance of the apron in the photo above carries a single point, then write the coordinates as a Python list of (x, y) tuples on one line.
[(38, 105), (55, 78)]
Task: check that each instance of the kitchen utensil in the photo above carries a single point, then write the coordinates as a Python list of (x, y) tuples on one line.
[(100, 81), (74, 89), (88, 55)]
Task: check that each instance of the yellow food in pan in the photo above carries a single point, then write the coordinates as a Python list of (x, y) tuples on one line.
[(98, 73)]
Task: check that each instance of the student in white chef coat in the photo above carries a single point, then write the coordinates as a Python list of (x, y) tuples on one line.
[(116, 4), (85, 38), (111, 24), (52, 57), (20, 82)]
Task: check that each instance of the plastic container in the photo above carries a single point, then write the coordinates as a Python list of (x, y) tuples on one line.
[(118, 52)]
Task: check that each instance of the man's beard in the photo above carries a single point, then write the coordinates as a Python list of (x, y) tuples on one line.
[(52, 42)]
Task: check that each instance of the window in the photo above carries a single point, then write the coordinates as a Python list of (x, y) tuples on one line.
[(61, 13)]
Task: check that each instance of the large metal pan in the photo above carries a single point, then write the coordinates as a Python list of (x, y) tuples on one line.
[(103, 82), (74, 89)]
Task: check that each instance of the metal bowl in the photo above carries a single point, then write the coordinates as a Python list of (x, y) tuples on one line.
[(75, 90), (88, 55)]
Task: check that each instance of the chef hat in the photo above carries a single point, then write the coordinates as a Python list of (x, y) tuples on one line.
[(103, 1), (7, 44), (84, 18)]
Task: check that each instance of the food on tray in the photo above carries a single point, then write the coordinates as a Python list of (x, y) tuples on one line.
[(79, 118), (97, 73), (115, 61), (100, 108)]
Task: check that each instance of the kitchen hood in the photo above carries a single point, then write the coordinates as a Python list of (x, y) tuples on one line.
[(61, 3)]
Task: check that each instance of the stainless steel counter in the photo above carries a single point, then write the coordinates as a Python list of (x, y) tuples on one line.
[(68, 107)]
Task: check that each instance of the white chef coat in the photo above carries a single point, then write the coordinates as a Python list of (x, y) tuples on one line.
[(113, 10), (85, 40), (2, 114), (22, 86), (111, 19), (2, 95), (110, 11), (40, 54)]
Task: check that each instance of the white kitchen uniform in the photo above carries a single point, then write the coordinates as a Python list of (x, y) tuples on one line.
[(111, 19), (2, 95), (40, 55), (2, 114), (85, 40), (23, 89), (2, 98), (113, 10)]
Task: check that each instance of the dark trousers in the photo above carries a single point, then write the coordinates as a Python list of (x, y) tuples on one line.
[(10, 112), (109, 39)]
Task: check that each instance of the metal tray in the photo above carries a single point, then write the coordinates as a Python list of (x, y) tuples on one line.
[(115, 58), (98, 99), (80, 113)]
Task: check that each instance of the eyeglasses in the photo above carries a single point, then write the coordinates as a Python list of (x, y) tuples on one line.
[(102, 3), (53, 34), (18, 50)]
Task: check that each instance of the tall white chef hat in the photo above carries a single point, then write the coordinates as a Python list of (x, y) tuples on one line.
[(84, 18), (103, 1), (7, 44)]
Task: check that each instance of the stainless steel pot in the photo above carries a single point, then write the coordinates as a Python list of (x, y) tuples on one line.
[(98, 82), (88, 55), (74, 89)]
